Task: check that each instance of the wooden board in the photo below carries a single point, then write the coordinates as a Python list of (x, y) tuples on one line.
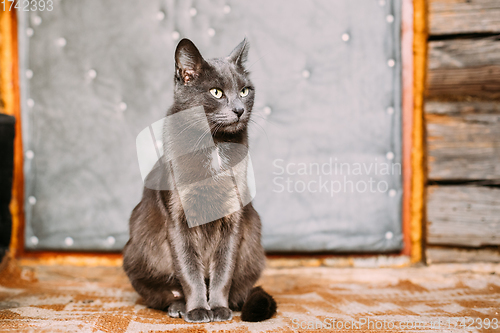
[(459, 68), (436, 255), (464, 16), (414, 54), (464, 53), (455, 83), (457, 108), (463, 216), (465, 146)]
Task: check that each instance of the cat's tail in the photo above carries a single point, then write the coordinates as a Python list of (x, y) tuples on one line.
[(259, 306)]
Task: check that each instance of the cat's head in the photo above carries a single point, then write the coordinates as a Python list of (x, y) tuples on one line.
[(222, 86)]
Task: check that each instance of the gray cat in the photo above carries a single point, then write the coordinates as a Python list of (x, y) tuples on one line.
[(204, 272)]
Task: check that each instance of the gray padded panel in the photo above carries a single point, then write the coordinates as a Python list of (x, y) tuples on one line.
[(318, 97)]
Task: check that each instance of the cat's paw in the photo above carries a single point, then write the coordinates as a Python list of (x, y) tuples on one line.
[(177, 309), (222, 314), (199, 316)]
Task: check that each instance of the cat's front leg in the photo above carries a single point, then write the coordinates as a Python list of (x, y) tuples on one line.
[(189, 273), (221, 274)]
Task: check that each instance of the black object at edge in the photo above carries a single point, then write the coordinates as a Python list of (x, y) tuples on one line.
[(7, 133)]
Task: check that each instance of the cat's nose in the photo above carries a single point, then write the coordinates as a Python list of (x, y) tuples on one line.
[(239, 111)]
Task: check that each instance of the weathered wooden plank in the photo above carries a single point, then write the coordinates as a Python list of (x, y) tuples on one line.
[(463, 16), (463, 215), (455, 83), (464, 53), (459, 68), (436, 255), (457, 108), (465, 146)]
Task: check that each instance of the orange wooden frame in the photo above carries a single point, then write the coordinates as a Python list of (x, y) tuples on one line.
[(414, 48)]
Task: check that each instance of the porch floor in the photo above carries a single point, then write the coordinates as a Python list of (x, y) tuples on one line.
[(100, 299)]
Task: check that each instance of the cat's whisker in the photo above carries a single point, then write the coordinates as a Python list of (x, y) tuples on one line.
[(260, 116), (261, 128), (192, 124), (217, 128), (268, 120), (259, 125), (200, 139), (214, 128)]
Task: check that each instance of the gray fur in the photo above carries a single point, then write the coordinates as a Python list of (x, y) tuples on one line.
[(199, 273)]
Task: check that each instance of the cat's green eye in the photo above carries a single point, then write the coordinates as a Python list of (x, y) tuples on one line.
[(244, 92), (216, 92)]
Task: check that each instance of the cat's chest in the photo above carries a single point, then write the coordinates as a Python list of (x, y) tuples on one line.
[(209, 238), (217, 162), (211, 182), (211, 166)]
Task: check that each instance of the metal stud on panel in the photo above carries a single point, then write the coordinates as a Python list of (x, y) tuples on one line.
[(175, 35), (267, 110), (37, 20), (30, 102), (211, 32), (389, 235), (390, 110), (227, 9), (390, 155), (30, 154), (34, 240), (69, 241), (391, 62), (306, 74), (392, 193), (389, 18), (32, 200), (92, 74), (111, 240), (29, 73), (122, 106), (345, 37), (61, 41), (193, 11), (29, 32), (160, 16)]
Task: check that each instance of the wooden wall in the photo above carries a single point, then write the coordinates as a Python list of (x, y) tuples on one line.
[(462, 116)]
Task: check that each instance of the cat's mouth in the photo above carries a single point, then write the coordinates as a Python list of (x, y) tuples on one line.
[(226, 123), (231, 126)]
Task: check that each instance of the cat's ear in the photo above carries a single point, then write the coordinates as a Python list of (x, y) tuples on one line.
[(188, 61), (240, 53)]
